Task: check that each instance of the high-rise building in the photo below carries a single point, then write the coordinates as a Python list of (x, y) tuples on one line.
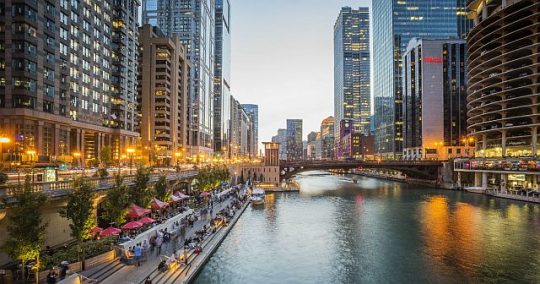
[(434, 100), (163, 88), (193, 22), (222, 76), (352, 96), (327, 138), (295, 146), (281, 138), (395, 22), (253, 112), (60, 69), (242, 132), (313, 146), (503, 95)]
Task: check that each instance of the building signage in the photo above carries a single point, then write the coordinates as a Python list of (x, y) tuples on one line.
[(433, 60)]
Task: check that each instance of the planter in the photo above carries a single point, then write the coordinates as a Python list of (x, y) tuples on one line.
[(90, 263)]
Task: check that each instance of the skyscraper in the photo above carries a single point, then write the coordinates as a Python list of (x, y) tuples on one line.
[(435, 99), (352, 94), (60, 87), (295, 146), (193, 21), (222, 76), (281, 138), (163, 96), (253, 112), (327, 138), (395, 22)]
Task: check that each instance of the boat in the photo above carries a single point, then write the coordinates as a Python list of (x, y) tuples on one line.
[(257, 196)]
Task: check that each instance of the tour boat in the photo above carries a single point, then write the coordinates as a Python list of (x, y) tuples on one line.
[(257, 196)]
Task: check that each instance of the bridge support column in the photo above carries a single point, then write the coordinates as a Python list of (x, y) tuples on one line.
[(484, 181), (504, 178), (477, 179)]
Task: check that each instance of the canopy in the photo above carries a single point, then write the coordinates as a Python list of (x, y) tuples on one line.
[(132, 225), (95, 231), (181, 195), (111, 231), (175, 198), (146, 220), (158, 204), (205, 194), (136, 211)]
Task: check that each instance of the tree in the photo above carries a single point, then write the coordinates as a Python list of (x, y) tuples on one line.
[(139, 193), (106, 156), (116, 201), (25, 225), (161, 190), (79, 210)]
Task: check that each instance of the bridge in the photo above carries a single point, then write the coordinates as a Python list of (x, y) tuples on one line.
[(415, 169), (58, 189)]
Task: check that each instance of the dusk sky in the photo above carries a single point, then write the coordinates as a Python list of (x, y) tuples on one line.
[(282, 59)]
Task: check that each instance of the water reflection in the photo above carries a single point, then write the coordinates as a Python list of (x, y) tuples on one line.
[(376, 231)]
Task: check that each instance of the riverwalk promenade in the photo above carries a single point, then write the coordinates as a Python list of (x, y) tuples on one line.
[(118, 272)]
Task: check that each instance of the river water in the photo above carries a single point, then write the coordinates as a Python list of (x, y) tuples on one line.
[(379, 231)]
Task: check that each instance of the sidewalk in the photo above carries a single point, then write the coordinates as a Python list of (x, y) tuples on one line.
[(136, 274)]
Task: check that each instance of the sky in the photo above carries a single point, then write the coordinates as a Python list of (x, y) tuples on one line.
[(282, 59)]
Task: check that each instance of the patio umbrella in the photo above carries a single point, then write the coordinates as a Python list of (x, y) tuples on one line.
[(111, 231), (132, 225), (205, 194), (158, 204), (146, 220), (96, 230), (181, 195), (136, 211), (175, 198)]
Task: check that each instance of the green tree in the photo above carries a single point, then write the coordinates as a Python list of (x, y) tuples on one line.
[(25, 225), (140, 193), (79, 210), (106, 156), (116, 201), (162, 191)]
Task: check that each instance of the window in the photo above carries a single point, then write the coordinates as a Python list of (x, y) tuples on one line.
[(49, 91)]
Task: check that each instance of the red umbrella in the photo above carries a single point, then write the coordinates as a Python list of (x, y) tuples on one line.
[(205, 194), (132, 225), (111, 231), (136, 211), (147, 220), (95, 231), (158, 204)]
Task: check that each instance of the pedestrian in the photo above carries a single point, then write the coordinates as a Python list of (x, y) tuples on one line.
[(137, 252), (51, 277), (159, 242), (148, 281)]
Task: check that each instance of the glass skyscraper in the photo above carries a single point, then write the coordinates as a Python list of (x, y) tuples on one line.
[(222, 76), (395, 23), (352, 94), (253, 113), (193, 22)]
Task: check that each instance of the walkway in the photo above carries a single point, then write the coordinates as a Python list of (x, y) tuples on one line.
[(116, 272)]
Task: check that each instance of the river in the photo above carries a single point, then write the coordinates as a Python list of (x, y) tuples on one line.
[(379, 231)]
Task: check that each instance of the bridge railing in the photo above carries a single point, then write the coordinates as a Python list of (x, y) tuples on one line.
[(59, 188)]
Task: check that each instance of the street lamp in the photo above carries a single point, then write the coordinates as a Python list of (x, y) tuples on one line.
[(31, 153), (130, 151)]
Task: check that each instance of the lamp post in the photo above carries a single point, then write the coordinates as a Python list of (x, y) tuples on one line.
[(77, 156), (130, 151), (31, 153)]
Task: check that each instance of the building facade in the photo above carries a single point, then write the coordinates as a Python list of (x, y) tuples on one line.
[(60, 69), (242, 132), (194, 22), (253, 112), (222, 76), (295, 147), (435, 100), (163, 93), (327, 138), (352, 96), (396, 22), (313, 146), (502, 108), (281, 139)]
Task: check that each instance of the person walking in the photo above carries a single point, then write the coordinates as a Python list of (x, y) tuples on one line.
[(137, 252), (159, 242), (148, 281)]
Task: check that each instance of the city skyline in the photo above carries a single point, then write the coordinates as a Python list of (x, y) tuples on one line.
[(306, 31)]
